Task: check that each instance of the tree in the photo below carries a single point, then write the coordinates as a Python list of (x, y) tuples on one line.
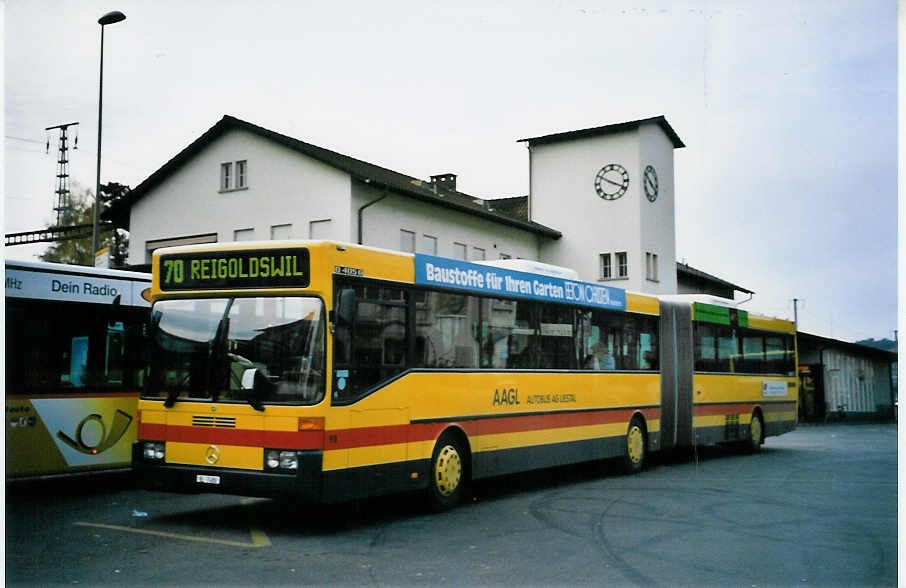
[(75, 251), (81, 212), (119, 249)]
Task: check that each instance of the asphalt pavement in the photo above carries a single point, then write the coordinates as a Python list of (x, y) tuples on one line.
[(817, 507)]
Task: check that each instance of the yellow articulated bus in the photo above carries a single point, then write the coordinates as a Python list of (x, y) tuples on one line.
[(74, 367), (332, 371)]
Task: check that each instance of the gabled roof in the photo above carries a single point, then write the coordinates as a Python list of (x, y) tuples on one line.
[(689, 271), (818, 342), (661, 121), (360, 170)]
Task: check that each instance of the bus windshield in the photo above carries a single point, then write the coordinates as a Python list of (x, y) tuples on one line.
[(267, 350)]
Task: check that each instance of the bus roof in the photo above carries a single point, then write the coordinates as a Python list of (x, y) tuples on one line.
[(65, 268), (60, 282)]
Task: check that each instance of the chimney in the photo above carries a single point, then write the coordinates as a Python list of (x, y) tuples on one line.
[(447, 181)]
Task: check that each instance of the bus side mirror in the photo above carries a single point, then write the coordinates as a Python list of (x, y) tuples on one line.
[(248, 378)]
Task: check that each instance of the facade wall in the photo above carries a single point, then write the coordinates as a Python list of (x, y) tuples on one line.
[(284, 188), (563, 195), (658, 228), (383, 221), (861, 385)]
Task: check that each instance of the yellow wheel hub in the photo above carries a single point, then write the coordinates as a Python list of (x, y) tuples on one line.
[(755, 431), (447, 470), (635, 444)]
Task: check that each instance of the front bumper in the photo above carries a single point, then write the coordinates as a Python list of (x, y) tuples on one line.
[(305, 483)]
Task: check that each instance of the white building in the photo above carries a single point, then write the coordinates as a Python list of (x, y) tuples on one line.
[(601, 201)]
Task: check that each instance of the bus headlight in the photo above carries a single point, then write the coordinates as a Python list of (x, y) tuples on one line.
[(153, 451), (275, 459), (289, 460)]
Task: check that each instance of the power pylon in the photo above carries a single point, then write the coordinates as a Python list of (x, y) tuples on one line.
[(62, 202)]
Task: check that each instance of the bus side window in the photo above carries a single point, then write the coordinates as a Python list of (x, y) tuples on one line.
[(370, 334), (753, 354), (648, 350), (728, 354), (705, 349), (445, 329)]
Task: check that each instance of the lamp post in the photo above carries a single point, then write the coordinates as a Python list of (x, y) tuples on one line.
[(109, 18)]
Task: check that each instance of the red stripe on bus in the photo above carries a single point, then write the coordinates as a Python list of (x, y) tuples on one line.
[(370, 436), (389, 434), (778, 406), (240, 437), (741, 408)]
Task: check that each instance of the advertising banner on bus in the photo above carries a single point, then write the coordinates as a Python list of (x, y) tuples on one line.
[(71, 287), (443, 272), (60, 434)]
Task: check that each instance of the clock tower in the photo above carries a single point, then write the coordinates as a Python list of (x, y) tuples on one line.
[(610, 190)]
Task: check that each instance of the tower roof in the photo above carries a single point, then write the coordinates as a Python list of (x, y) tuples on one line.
[(661, 121)]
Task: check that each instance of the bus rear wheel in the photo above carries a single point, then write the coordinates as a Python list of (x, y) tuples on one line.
[(635, 447), (448, 473), (756, 434)]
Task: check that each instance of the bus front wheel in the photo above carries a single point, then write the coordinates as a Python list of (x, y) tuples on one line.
[(635, 447), (448, 473)]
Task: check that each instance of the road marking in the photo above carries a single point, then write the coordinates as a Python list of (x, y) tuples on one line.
[(259, 539)]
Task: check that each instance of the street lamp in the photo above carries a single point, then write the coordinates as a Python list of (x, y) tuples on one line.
[(109, 18)]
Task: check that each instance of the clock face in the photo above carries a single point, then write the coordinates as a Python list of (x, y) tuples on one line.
[(612, 181), (650, 180)]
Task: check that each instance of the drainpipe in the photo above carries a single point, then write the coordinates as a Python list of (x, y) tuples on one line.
[(363, 207)]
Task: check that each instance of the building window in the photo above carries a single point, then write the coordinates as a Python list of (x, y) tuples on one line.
[(478, 254), (226, 173), (429, 245), (241, 168), (622, 264), (459, 251), (244, 235), (407, 241), (606, 270), (319, 229), (281, 232), (228, 181), (651, 266)]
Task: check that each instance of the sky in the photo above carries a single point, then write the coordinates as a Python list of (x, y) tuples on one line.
[(787, 185)]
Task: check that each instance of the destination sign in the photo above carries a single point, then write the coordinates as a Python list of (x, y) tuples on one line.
[(229, 270), (720, 315), (486, 279)]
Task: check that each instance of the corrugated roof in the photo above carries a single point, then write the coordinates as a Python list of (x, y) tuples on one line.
[(819, 342), (358, 169), (608, 129)]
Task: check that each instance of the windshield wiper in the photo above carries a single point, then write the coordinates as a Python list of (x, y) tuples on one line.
[(217, 355)]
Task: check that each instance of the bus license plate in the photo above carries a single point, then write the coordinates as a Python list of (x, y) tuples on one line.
[(202, 479)]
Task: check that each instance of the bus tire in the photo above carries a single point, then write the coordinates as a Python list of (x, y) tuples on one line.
[(635, 446), (756, 434), (448, 473)]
